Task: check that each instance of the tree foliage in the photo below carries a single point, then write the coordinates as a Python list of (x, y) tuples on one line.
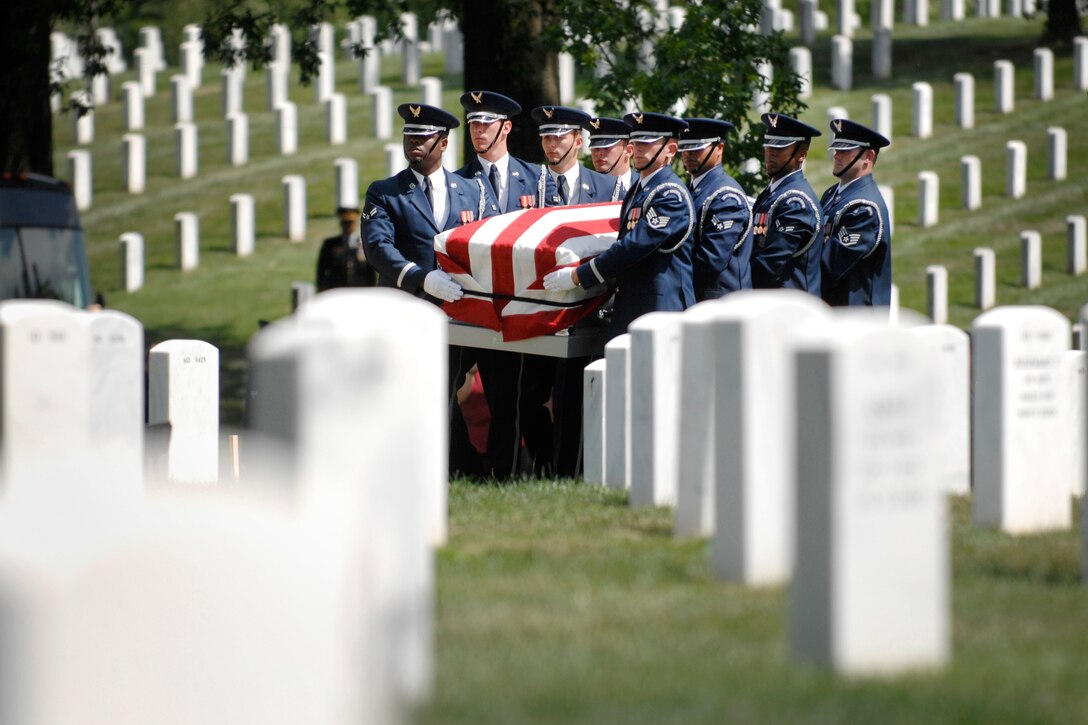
[(709, 67)]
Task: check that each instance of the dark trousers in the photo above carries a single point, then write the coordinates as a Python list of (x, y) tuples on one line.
[(517, 388)]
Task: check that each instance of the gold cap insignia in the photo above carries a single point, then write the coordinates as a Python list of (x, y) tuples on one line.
[(415, 111), (638, 119), (838, 125), (548, 113), (595, 123), (478, 97), (773, 120)]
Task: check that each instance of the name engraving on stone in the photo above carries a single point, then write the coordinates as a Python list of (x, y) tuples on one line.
[(1035, 397)]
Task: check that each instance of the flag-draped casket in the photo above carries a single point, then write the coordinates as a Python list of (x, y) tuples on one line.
[(500, 262)]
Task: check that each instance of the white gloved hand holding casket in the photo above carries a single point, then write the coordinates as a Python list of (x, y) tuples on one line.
[(560, 280), (441, 285)]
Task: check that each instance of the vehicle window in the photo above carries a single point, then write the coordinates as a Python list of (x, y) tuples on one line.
[(43, 264)]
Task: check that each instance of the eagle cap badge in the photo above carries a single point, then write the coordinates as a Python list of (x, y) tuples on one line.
[(477, 97), (638, 119), (548, 112), (837, 123), (773, 120), (415, 111), (595, 123)]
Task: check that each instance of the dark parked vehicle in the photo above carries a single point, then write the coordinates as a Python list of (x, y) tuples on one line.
[(42, 252)]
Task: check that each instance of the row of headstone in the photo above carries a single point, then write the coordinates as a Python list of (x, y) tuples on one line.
[(349, 565), (90, 397), (909, 388), (243, 223), (971, 175), (736, 484), (1030, 261)]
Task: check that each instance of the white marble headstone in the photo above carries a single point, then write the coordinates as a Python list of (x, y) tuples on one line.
[(381, 111), (1076, 236), (871, 585), (79, 174), (617, 421), (985, 278), (294, 207), (183, 390), (336, 119), (971, 176), (593, 425), (365, 407), (754, 447), (132, 261), (1075, 363), (286, 128), (243, 224), (132, 106), (133, 163), (949, 349), (45, 381), (1020, 459), (654, 407)]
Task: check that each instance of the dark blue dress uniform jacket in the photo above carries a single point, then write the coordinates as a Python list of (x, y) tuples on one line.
[(594, 187), (857, 256), (723, 237), (787, 237), (523, 180), (398, 226), (651, 257)]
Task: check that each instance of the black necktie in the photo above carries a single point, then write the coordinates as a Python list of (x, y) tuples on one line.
[(493, 177), (428, 189), (563, 190)]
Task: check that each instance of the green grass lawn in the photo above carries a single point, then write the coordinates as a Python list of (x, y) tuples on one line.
[(559, 603)]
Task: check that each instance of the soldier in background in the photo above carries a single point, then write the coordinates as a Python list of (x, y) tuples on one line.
[(561, 139), (857, 256), (787, 232), (723, 228), (610, 149), (342, 261)]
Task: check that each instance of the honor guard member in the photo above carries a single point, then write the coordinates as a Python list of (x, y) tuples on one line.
[(609, 148), (513, 183), (723, 228), (561, 139), (516, 386), (857, 255), (787, 232), (651, 257), (400, 219), (341, 261)]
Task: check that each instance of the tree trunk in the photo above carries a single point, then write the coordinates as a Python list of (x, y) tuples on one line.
[(504, 53), (1062, 22), (26, 120)]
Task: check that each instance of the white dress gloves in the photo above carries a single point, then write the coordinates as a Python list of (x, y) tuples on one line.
[(560, 280), (441, 285)]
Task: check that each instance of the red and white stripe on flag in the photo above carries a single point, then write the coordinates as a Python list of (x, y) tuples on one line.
[(500, 262)]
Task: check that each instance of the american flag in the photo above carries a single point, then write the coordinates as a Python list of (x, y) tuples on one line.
[(500, 262)]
